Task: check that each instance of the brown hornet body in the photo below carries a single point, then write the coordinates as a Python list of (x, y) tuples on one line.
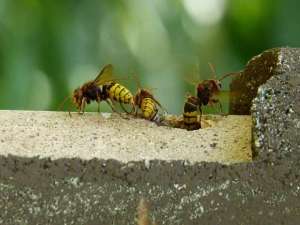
[(102, 89), (192, 112), (206, 90)]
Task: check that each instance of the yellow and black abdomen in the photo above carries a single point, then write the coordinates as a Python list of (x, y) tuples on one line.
[(190, 115), (148, 108), (120, 94)]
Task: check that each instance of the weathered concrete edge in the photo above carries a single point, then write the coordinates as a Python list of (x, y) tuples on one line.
[(276, 118), (259, 71), (281, 74), (180, 193)]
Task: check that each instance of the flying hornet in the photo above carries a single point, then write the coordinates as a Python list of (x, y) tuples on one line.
[(207, 90)]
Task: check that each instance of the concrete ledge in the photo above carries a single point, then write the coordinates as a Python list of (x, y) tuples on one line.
[(107, 136), (73, 191), (276, 118), (258, 70)]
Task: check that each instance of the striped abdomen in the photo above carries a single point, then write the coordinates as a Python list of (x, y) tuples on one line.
[(190, 117), (190, 114), (120, 94), (148, 108)]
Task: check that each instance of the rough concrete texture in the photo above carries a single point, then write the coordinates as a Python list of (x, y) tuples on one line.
[(73, 191), (257, 71), (88, 136), (266, 191), (276, 117)]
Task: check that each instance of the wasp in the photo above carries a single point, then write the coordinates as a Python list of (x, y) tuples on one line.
[(102, 88), (207, 90), (146, 102), (190, 117), (190, 113)]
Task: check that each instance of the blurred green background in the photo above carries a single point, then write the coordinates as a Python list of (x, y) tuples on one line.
[(50, 47)]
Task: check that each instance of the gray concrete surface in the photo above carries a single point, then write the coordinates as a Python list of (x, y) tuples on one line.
[(74, 191), (276, 117), (88, 136), (257, 71)]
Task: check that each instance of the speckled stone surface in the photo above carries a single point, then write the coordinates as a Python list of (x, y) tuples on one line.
[(88, 136), (257, 71), (276, 118), (73, 191), (101, 191)]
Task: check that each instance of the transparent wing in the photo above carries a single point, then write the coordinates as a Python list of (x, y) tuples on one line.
[(213, 70), (137, 80), (226, 94), (105, 75), (230, 74), (158, 103), (194, 77), (150, 90), (191, 80)]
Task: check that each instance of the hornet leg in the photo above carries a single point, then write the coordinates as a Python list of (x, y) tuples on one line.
[(111, 106), (200, 110), (110, 103), (98, 101), (98, 107), (217, 101), (82, 107), (122, 106)]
